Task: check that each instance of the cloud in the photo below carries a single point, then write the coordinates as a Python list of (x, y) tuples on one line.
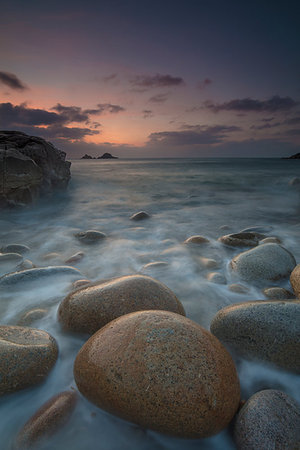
[(108, 107), (156, 81), (11, 116), (159, 98), (71, 113), (12, 81), (204, 83), (147, 113), (68, 133), (273, 104), (110, 77), (192, 135), (265, 126)]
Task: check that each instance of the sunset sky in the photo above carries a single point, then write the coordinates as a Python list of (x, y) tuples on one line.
[(153, 78)]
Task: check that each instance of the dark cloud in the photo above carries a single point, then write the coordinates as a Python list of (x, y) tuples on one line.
[(292, 121), (108, 107), (204, 83), (156, 81), (71, 113), (192, 135), (12, 81), (147, 113), (265, 126), (159, 98), (68, 133), (14, 116), (110, 77), (273, 104)]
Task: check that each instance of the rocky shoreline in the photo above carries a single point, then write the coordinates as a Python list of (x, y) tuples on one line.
[(144, 361)]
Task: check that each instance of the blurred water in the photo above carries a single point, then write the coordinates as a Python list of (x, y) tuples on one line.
[(184, 198)]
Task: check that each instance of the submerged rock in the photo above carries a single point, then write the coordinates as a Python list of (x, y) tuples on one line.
[(90, 236), (75, 258), (216, 277), (248, 239), (48, 419), (270, 419), (90, 308), (278, 293), (15, 248), (12, 258), (263, 330), (295, 280), (30, 166), (196, 240), (238, 288), (26, 357), (141, 215), (265, 262), (161, 371), (32, 316)]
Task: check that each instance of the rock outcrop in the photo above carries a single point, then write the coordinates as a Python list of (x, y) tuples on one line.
[(29, 166)]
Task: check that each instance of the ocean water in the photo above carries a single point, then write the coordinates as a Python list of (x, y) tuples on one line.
[(209, 197)]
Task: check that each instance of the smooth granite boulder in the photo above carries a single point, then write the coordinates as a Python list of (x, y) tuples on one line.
[(26, 357), (269, 420), (295, 280), (161, 371), (249, 239), (47, 420), (29, 166), (262, 330), (92, 307), (265, 262)]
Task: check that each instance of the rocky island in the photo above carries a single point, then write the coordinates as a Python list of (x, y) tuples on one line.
[(29, 167), (104, 156), (296, 156)]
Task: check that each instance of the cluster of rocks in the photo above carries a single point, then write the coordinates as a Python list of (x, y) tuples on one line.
[(104, 156), (29, 166), (145, 362)]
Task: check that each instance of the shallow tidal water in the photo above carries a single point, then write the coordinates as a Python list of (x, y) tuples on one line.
[(184, 197)]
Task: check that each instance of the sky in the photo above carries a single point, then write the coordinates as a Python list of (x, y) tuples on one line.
[(142, 79)]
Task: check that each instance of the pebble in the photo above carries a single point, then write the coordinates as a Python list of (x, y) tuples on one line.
[(32, 316), (199, 240), (90, 236), (15, 248), (238, 288), (278, 293), (216, 277), (75, 258), (240, 240), (141, 215), (161, 371)]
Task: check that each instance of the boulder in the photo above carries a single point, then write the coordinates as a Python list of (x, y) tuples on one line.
[(141, 215), (26, 357), (295, 280), (161, 371), (249, 239), (265, 262), (238, 288), (15, 248), (90, 236), (90, 308), (12, 258), (75, 258), (278, 293), (196, 240), (262, 330), (270, 419), (30, 166), (48, 419)]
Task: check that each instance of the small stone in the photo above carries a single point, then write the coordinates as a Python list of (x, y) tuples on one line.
[(90, 236), (238, 288), (26, 264), (26, 357), (52, 255), (295, 182), (258, 229), (156, 265), (216, 277), (141, 215), (265, 262), (270, 419), (278, 293), (49, 418), (196, 240), (75, 258), (208, 263), (32, 316), (240, 240), (10, 258), (79, 283), (295, 280), (262, 330), (15, 248), (89, 309), (162, 372)]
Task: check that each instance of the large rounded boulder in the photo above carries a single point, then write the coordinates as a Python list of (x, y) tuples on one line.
[(161, 371), (262, 330), (26, 357), (265, 262), (90, 308), (295, 280), (270, 419)]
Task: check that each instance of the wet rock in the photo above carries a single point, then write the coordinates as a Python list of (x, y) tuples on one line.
[(216, 277), (278, 293), (31, 316), (90, 236), (208, 263), (141, 215), (17, 280), (295, 280), (262, 330), (265, 262), (75, 258), (161, 371), (12, 258), (79, 283), (196, 240), (24, 265), (26, 357), (154, 266), (258, 229), (51, 256), (270, 240), (89, 309), (270, 419), (238, 288), (240, 240), (295, 182), (15, 248), (49, 418)]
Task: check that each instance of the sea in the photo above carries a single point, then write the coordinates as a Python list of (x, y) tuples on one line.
[(184, 197)]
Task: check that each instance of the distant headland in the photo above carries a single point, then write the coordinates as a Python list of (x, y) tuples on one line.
[(296, 156), (104, 156)]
